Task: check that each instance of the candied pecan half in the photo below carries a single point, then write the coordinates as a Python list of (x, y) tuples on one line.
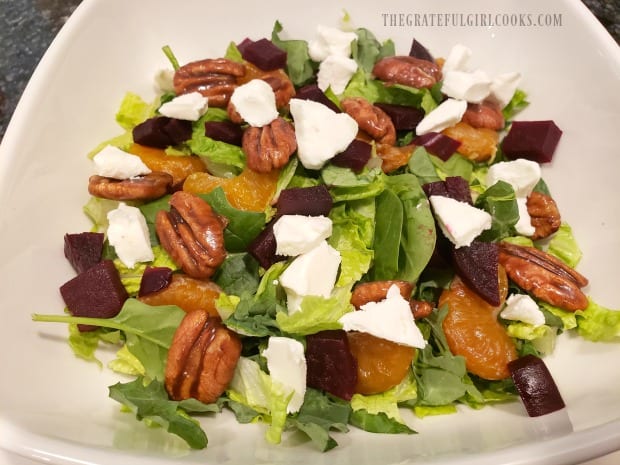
[(371, 119), (215, 78), (192, 233), (544, 275), (151, 186), (374, 291), (544, 215), (202, 358), (420, 308), (484, 115), (270, 146), (409, 71)]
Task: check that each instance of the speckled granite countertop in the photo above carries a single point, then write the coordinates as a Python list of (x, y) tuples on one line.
[(28, 26)]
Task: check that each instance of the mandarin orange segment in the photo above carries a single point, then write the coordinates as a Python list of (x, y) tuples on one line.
[(477, 144), (381, 364), (179, 167), (248, 191), (472, 330), (190, 294)]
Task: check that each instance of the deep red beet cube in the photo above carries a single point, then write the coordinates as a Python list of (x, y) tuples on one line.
[(313, 92), (83, 250), (309, 201), (537, 389), (355, 156), (97, 293), (438, 144), (154, 278), (330, 365), (403, 117), (161, 132), (263, 53), (224, 131), (418, 50), (263, 247), (478, 267), (455, 187), (532, 140)]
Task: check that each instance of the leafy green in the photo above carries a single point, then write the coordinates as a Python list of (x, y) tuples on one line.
[(422, 166), (134, 110), (388, 402), (237, 274), (500, 202), (299, 67), (233, 53), (148, 331), (132, 277), (389, 226), (97, 209), (418, 235), (318, 416), (564, 246), (597, 323), (150, 402), (517, 103), (367, 50), (345, 185)]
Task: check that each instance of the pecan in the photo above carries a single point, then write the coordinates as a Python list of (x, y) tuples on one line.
[(192, 233), (148, 187), (420, 309), (484, 115), (375, 291), (202, 358), (408, 71), (371, 119), (544, 275), (215, 78), (544, 215), (270, 146)]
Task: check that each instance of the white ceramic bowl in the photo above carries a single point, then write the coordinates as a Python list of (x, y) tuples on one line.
[(54, 407)]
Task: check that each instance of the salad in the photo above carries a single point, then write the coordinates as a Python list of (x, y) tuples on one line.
[(316, 234)]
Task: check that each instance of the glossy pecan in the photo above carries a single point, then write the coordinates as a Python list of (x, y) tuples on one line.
[(374, 291), (215, 78), (202, 358), (393, 157), (371, 119), (420, 308), (544, 215), (409, 71), (192, 233), (148, 187), (484, 115), (544, 275), (269, 147)]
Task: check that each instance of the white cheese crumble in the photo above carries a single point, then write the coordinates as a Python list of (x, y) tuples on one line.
[(447, 114), (297, 234), (457, 58), (335, 72), (389, 319), (503, 87), (320, 132), (311, 273), (521, 174), (524, 224), (286, 362), (473, 87), (115, 163), (129, 235), (189, 107), (330, 41), (164, 80), (521, 307), (459, 221), (255, 101)]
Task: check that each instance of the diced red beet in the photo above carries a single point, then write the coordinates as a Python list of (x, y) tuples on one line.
[(314, 93), (418, 50), (437, 144), (455, 187), (403, 117), (355, 156), (263, 53), (263, 247), (536, 387), (83, 250), (224, 131), (97, 292), (478, 267), (330, 365), (154, 278), (532, 140), (309, 201), (161, 132)]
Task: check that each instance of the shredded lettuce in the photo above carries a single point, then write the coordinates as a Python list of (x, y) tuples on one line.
[(564, 246)]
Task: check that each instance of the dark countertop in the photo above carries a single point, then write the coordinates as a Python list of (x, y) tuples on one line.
[(28, 26)]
